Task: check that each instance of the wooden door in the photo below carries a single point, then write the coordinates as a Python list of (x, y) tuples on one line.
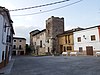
[(61, 49), (89, 50)]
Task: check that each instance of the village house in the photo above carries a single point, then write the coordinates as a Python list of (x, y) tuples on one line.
[(31, 39), (19, 46), (6, 36), (87, 41), (66, 40), (38, 42), (31, 36)]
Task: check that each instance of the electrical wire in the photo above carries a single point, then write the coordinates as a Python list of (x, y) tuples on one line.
[(50, 9), (39, 6)]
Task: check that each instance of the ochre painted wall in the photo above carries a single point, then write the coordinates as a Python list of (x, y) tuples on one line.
[(66, 41)]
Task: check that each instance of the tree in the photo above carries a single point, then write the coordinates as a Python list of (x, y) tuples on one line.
[(28, 49)]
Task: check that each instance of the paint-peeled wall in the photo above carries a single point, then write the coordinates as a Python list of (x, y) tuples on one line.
[(41, 37)]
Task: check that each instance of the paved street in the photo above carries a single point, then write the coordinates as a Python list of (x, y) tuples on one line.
[(58, 65)]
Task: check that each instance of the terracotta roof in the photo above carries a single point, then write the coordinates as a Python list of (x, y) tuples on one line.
[(91, 27), (39, 32), (70, 31), (75, 30), (34, 31)]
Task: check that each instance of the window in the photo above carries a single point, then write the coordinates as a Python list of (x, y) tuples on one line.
[(69, 48), (93, 37), (14, 47), (5, 27), (41, 43), (47, 40), (79, 39), (35, 43), (2, 55), (20, 47), (48, 49), (80, 49), (20, 40), (14, 40), (68, 38), (8, 38)]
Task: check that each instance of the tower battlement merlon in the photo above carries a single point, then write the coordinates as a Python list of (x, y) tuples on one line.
[(52, 17)]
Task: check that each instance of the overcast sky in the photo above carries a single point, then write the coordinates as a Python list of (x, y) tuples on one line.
[(83, 14)]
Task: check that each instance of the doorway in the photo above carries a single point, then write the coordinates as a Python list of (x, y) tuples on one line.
[(89, 50), (61, 49)]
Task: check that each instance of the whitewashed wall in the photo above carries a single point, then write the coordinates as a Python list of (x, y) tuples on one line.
[(3, 36), (87, 42), (4, 31), (1, 45)]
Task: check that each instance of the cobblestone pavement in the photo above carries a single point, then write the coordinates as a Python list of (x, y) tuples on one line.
[(56, 65)]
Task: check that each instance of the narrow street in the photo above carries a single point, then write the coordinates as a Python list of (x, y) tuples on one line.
[(55, 65)]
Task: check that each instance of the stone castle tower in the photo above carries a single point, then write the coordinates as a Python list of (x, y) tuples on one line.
[(54, 26)]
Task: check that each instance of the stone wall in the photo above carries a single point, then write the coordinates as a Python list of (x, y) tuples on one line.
[(54, 26)]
